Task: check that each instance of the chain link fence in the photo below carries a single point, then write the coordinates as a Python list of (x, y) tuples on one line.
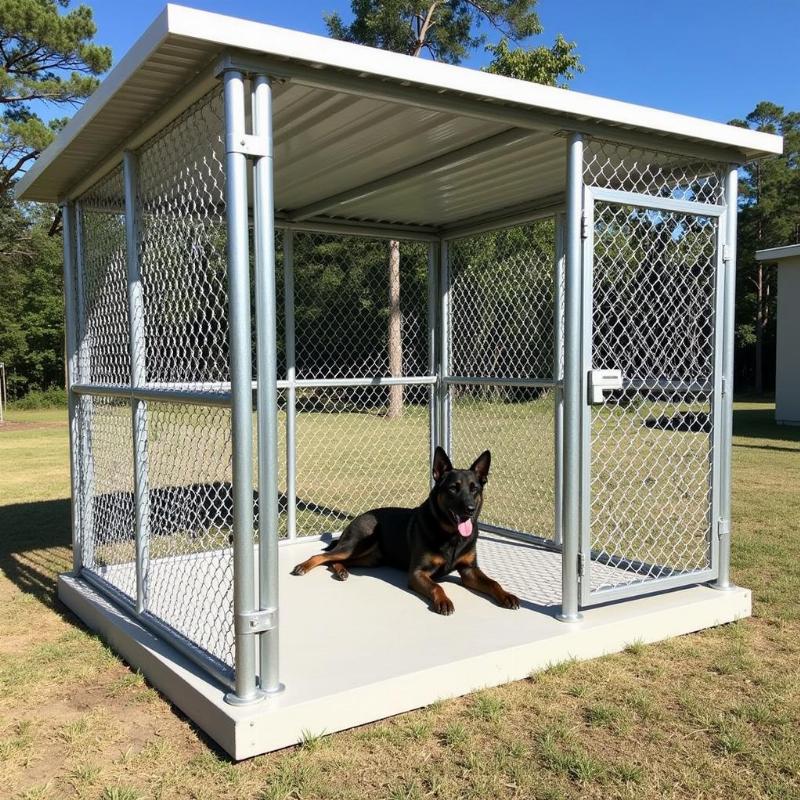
[(653, 318), (502, 333)]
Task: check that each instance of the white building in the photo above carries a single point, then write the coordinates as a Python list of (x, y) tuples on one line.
[(787, 356)]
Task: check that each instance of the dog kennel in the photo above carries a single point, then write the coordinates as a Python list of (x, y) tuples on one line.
[(293, 266)]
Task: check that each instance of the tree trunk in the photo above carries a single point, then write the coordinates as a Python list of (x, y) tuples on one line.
[(395, 332)]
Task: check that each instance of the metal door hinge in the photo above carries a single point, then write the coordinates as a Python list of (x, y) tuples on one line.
[(724, 385), (584, 226), (581, 565), (727, 253), (263, 619), (723, 528)]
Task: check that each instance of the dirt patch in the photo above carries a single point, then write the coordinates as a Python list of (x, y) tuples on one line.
[(8, 426)]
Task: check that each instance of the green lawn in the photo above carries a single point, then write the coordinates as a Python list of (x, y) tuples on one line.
[(715, 714)]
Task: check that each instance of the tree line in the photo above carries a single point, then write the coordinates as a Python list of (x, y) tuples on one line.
[(49, 60)]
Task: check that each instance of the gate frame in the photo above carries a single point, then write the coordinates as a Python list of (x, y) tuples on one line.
[(592, 195)]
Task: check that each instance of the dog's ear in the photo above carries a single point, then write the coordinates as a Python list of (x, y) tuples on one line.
[(481, 466), (441, 464)]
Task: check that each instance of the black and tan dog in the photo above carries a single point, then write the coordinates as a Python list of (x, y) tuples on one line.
[(429, 541)]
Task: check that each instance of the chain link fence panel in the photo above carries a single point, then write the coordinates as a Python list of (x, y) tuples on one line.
[(502, 326), (653, 318)]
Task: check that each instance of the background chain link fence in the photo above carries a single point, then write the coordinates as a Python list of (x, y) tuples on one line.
[(503, 327), (653, 318)]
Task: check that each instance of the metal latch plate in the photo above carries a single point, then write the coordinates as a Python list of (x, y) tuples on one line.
[(603, 380), (246, 144), (264, 619)]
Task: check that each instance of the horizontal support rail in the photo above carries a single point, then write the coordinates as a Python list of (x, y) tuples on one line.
[(655, 203), (377, 230), (213, 666), (528, 383), (221, 399), (519, 536), (333, 383), (667, 385)]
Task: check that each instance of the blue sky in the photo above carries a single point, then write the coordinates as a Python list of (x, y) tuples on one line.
[(709, 58)]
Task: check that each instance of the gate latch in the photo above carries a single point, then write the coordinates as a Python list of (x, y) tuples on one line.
[(603, 380)]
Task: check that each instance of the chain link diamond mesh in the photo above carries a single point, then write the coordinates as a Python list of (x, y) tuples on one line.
[(502, 326), (106, 498), (102, 284), (183, 249), (517, 426), (190, 572), (651, 443), (501, 303), (616, 166), (344, 313)]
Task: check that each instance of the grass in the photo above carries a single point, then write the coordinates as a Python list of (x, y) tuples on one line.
[(715, 714)]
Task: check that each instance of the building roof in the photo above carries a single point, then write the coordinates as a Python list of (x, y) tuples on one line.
[(779, 253), (365, 134)]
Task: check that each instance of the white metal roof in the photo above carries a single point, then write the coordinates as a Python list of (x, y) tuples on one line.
[(779, 253), (365, 134)]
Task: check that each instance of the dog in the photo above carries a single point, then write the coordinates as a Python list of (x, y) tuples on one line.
[(428, 542)]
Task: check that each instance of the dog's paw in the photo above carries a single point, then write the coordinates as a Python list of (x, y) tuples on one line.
[(340, 572), (510, 601), (299, 570), (444, 606)]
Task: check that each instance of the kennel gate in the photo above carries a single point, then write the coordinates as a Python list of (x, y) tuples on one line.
[(509, 324)]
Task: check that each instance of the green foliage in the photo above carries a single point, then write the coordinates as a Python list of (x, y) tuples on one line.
[(47, 56), (769, 216), (447, 30), (55, 397), (553, 65)]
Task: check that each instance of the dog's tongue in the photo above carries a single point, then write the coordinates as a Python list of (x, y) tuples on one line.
[(465, 527)]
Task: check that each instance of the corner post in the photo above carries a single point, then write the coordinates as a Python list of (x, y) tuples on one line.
[(138, 377), (244, 590), (72, 341), (442, 386), (267, 387), (433, 347), (573, 399), (722, 528)]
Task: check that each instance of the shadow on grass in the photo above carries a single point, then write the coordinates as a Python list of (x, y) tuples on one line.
[(759, 423), (35, 545)]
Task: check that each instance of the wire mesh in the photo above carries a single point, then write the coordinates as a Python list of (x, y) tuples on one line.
[(102, 284), (183, 249), (189, 582), (651, 444), (501, 303), (106, 490), (502, 326), (651, 172), (360, 307)]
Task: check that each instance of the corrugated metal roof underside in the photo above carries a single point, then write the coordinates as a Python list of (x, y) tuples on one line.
[(330, 139)]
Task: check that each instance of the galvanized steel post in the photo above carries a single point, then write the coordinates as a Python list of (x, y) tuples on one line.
[(442, 386), (573, 400), (558, 374), (84, 375), (433, 282), (244, 590), (291, 390), (138, 377), (71, 336), (723, 524), (267, 387)]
